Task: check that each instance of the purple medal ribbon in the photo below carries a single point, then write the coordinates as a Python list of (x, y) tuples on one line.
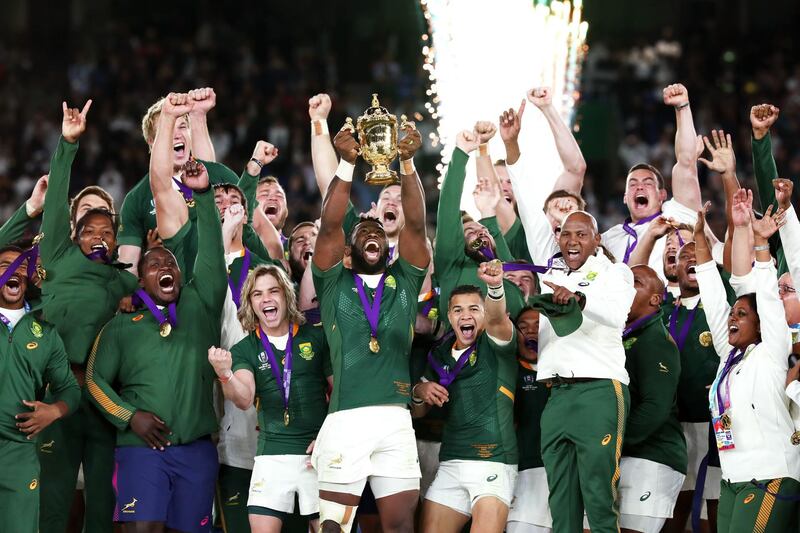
[(156, 312), (487, 252), (680, 239), (371, 311), (636, 323), (391, 255), (33, 256), (724, 403), (284, 239), (626, 226), (284, 382), (99, 254), (447, 377), (426, 309), (680, 339), (186, 192), (7, 322), (236, 288), (512, 267)]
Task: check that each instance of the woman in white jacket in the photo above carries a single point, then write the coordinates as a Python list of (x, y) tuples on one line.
[(749, 409)]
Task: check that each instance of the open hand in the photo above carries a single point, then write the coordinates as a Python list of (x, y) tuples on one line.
[(486, 196), (766, 226), (723, 159), (741, 206), (561, 295), (151, 429), (41, 415)]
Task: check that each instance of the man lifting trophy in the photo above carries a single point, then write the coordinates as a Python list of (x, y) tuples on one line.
[(377, 135)]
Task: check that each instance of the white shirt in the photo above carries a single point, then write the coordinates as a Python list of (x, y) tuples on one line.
[(595, 350), (541, 239), (13, 315), (762, 426), (238, 438), (617, 240)]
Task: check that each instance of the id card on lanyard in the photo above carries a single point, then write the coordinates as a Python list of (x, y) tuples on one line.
[(721, 402)]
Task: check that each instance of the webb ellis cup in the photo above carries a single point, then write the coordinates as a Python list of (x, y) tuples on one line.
[(377, 135)]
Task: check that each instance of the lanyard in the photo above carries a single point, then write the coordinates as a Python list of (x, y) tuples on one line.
[(446, 377), (626, 226), (284, 382), (165, 323), (680, 338), (723, 400), (371, 311), (186, 192), (636, 324)]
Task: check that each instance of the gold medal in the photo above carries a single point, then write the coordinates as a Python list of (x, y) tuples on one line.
[(725, 420), (190, 202), (41, 271), (796, 438), (285, 417), (705, 339), (165, 329), (374, 347)]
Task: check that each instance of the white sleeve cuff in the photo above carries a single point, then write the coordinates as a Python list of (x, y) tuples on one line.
[(345, 170), (793, 391)]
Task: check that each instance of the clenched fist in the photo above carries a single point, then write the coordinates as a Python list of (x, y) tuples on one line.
[(467, 140), (485, 130), (204, 100), (675, 95), (410, 143), (491, 273), (221, 360), (762, 117), (540, 97), (265, 152), (346, 145), (195, 175), (319, 106), (177, 104)]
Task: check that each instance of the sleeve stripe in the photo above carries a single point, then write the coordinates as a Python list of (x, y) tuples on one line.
[(97, 393)]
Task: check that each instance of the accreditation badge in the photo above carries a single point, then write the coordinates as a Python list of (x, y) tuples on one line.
[(724, 436)]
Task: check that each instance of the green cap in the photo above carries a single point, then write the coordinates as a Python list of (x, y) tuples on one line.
[(565, 319)]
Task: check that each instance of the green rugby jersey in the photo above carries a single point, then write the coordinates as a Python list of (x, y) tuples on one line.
[(428, 427), (698, 361), (138, 216), (654, 366), (307, 405), (362, 378), (132, 367), (529, 404), (79, 294), (453, 267), (479, 417), (517, 241), (33, 358)]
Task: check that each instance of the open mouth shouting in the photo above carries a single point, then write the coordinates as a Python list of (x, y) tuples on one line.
[(372, 250), (179, 148), (270, 312), (691, 273), (166, 283), (389, 215), (468, 332), (13, 289), (641, 200), (307, 255)]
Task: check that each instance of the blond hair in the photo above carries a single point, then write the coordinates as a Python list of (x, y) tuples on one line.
[(150, 121), (247, 315)]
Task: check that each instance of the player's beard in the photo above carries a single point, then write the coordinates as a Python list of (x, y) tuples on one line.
[(359, 265), (297, 269)]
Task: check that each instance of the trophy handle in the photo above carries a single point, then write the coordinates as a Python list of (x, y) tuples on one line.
[(348, 125)]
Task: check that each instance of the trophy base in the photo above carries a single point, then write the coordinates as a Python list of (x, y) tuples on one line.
[(382, 177)]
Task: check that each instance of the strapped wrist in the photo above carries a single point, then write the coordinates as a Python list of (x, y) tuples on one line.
[(319, 127), (407, 167), (483, 149), (227, 377), (496, 293), (345, 170)]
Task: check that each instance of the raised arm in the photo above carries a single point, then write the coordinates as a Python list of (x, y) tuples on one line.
[(485, 168), (741, 252), (14, 228), (685, 185), (412, 241), (203, 101), (723, 161), (762, 117), (209, 267), (488, 197), (712, 290), (790, 230), (568, 150), (498, 325), (323, 156), (239, 385), (55, 219), (449, 249), (329, 249), (171, 210), (659, 228)]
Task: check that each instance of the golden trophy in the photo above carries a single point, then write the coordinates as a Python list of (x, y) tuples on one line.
[(377, 135)]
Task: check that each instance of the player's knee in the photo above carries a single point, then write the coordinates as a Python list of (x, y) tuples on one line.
[(335, 517)]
